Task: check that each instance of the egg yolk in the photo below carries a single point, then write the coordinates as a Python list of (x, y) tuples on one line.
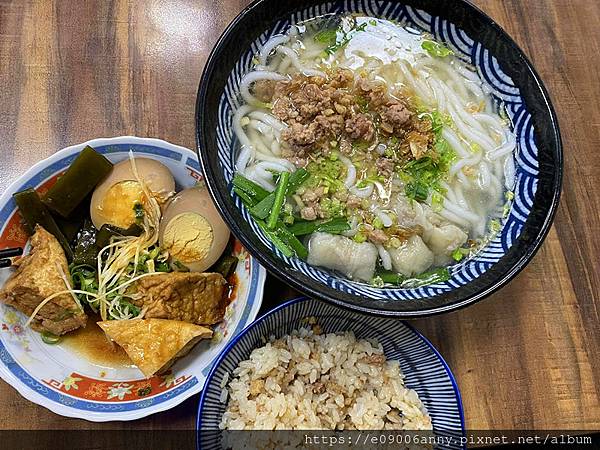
[(188, 237), (117, 206)]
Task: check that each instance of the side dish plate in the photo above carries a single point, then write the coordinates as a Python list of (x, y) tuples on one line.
[(65, 381)]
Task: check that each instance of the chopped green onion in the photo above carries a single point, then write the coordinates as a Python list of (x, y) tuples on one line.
[(49, 338), (359, 238), (369, 180), (377, 282), (435, 49), (495, 225), (437, 201), (397, 279), (328, 36), (180, 266), (417, 191), (162, 267), (336, 43), (130, 307), (457, 255)]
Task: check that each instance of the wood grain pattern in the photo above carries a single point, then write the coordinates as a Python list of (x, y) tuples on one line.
[(527, 357)]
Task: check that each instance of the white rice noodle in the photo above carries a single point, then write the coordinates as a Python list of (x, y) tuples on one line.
[(269, 119), (276, 147), (506, 148), (385, 218), (257, 139), (241, 112), (350, 171), (243, 159), (509, 173), (481, 139), (363, 192), (386, 259), (494, 123), (253, 175), (293, 57), (274, 166), (252, 77), (269, 46), (261, 127), (465, 162), (283, 162), (455, 143), (284, 65), (460, 212)]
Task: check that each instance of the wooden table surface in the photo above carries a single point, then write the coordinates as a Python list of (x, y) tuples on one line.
[(527, 357)]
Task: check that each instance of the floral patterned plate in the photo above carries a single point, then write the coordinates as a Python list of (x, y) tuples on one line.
[(61, 377)]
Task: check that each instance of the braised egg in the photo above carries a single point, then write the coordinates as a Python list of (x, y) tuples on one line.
[(192, 230), (114, 200)]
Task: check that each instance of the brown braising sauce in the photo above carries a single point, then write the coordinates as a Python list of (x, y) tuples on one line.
[(91, 343)]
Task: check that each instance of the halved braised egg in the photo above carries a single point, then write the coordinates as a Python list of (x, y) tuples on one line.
[(192, 230), (114, 199)]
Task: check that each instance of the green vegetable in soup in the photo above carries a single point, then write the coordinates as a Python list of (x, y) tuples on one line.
[(291, 241), (397, 279), (82, 176), (263, 208), (252, 190), (433, 276), (333, 226), (389, 277), (284, 248), (279, 199), (271, 207), (340, 39)]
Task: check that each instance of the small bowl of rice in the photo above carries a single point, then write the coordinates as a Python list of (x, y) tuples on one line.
[(308, 365)]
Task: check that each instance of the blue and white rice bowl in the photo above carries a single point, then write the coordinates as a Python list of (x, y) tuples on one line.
[(423, 367)]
